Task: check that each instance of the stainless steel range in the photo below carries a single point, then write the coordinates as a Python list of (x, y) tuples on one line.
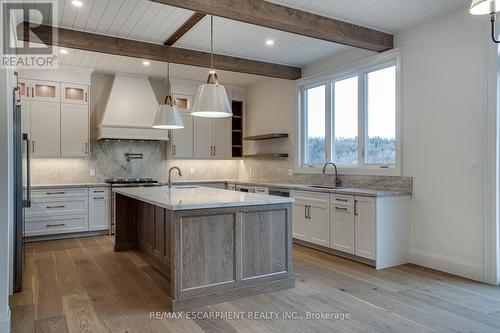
[(126, 182)]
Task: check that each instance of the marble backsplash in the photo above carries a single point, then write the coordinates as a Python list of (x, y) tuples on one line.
[(108, 160)]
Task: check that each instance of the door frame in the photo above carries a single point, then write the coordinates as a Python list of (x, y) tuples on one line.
[(492, 159)]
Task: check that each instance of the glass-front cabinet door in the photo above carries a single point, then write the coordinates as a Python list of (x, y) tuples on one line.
[(74, 93), (46, 91)]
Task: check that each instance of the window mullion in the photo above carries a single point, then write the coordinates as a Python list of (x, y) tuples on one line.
[(361, 119), (329, 116)]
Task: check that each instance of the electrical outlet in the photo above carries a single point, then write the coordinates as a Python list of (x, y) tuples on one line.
[(290, 172), (192, 171), (92, 172)]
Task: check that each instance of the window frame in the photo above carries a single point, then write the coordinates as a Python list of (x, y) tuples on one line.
[(360, 69)]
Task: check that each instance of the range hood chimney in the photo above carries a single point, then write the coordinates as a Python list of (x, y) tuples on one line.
[(130, 111)]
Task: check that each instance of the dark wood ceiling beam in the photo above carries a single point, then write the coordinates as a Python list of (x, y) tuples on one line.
[(188, 25), (274, 16), (137, 49)]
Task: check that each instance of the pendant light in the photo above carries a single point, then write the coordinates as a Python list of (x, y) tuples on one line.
[(168, 115), (211, 100), (485, 7)]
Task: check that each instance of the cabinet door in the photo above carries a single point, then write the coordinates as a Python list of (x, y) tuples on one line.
[(319, 220), (300, 223), (47, 91), (342, 226), (222, 129), (45, 129), (182, 139), (74, 93), (99, 210), (203, 147), (74, 130), (364, 227)]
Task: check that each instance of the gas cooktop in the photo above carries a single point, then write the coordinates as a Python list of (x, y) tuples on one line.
[(132, 181)]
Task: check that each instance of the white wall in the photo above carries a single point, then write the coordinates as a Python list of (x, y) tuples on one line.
[(445, 107), (6, 197), (444, 97)]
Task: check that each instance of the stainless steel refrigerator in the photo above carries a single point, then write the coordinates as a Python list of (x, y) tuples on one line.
[(22, 185)]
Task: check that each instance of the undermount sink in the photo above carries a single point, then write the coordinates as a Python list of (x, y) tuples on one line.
[(331, 187)]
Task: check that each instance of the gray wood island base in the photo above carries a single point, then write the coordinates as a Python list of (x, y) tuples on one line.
[(210, 251)]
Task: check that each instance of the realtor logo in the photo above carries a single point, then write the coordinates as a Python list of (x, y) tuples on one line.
[(28, 34)]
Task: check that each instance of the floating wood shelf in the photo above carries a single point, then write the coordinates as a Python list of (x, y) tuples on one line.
[(266, 136), (267, 156)]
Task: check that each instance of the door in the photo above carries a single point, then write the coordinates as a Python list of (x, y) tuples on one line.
[(45, 128), (203, 147), (222, 129), (99, 214), (74, 130), (46, 91), (342, 224), (319, 219), (182, 139), (74, 93), (300, 222), (364, 227)]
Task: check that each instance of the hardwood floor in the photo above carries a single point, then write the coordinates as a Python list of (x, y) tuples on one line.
[(81, 285)]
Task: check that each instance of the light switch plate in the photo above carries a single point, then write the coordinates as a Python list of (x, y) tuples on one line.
[(192, 171), (290, 172), (474, 161), (92, 172)]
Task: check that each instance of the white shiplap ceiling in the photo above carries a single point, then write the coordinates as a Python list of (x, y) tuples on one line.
[(108, 63), (153, 22), (391, 16)]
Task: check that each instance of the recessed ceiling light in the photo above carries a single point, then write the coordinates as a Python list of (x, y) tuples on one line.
[(146, 63), (63, 51), (77, 3), (269, 42)]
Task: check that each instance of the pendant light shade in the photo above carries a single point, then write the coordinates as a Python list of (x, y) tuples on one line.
[(168, 115), (211, 100), (484, 7)]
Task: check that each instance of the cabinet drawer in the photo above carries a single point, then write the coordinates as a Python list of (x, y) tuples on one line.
[(342, 200), (56, 225), (311, 196), (99, 191), (60, 193), (58, 206)]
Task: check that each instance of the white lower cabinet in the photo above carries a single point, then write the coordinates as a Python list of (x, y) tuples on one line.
[(67, 210), (342, 223), (373, 228), (365, 227), (99, 209), (311, 217)]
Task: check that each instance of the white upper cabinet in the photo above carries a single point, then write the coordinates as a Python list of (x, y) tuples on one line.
[(203, 147), (45, 129), (221, 139), (74, 130), (74, 93), (181, 140), (46, 91)]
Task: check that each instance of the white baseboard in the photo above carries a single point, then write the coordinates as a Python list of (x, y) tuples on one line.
[(5, 322), (452, 265)]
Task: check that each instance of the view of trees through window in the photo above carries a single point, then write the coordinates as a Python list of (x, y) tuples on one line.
[(380, 130)]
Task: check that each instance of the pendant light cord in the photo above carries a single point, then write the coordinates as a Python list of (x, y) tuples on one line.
[(212, 42)]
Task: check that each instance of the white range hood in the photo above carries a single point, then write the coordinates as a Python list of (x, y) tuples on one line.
[(130, 111)]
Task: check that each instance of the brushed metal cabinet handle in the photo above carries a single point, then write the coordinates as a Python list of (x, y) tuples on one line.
[(54, 193), (356, 207), (54, 207), (55, 225), (85, 96), (98, 198), (341, 200), (173, 150), (343, 209)]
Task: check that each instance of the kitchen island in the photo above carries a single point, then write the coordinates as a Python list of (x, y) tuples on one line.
[(213, 245)]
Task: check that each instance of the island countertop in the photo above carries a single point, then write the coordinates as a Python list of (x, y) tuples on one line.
[(195, 197)]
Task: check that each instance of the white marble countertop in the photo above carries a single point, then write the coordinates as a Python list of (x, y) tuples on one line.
[(73, 185), (195, 197)]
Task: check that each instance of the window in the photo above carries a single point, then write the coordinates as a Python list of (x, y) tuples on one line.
[(315, 150), (351, 118)]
